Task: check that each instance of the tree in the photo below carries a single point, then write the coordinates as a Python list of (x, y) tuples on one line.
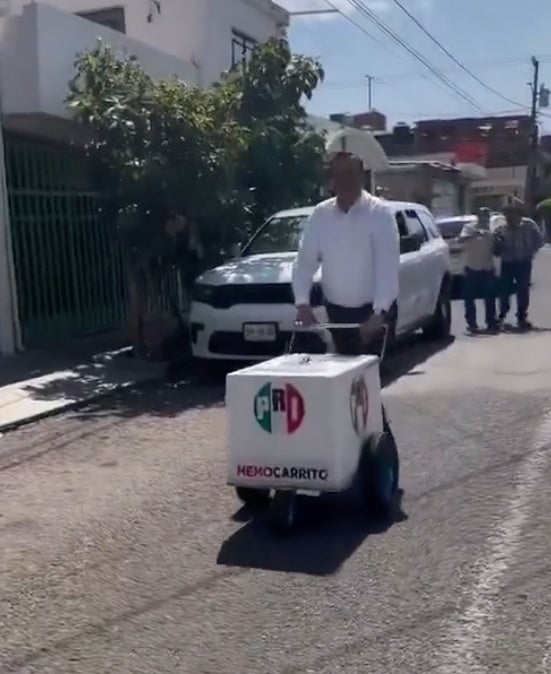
[(283, 163), (164, 155), (186, 172)]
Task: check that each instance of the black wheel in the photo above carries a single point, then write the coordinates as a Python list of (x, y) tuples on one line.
[(439, 325), (379, 474), (283, 511), (255, 498)]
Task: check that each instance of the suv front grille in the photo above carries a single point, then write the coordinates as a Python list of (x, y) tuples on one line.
[(234, 344), (227, 296)]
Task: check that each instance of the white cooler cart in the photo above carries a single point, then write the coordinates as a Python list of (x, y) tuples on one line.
[(310, 424)]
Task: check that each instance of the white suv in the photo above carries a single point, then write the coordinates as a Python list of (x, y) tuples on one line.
[(243, 310)]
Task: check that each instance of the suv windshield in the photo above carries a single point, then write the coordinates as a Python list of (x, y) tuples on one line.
[(278, 235), (450, 229)]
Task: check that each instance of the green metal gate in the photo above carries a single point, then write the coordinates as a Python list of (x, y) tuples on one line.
[(70, 279)]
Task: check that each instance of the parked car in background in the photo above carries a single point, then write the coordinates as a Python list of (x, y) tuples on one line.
[(244, 309)]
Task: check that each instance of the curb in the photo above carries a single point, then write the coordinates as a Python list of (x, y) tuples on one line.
[(77, 404)]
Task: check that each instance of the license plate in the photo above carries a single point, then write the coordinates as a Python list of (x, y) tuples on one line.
[(259, 332)]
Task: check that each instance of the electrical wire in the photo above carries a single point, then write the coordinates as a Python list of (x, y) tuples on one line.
[(360, 6), (386, 79), (446, 51), (362, 28), (366, 11)]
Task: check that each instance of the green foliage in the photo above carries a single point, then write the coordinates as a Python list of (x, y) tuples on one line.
[(185, 172), (283, 163), (163, 154), (180, 166)]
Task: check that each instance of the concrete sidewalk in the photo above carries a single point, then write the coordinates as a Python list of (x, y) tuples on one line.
[(29, 392)]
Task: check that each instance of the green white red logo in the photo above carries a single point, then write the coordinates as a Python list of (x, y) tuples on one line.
[(279, 409), (359, 404)]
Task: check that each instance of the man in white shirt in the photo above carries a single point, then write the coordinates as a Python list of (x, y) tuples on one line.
[(355, 238), (480, 277)]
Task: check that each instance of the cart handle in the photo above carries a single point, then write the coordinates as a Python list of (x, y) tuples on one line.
[(326, 326), (300, 327)]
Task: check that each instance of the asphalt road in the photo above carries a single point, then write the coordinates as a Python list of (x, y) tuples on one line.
[(119, 553)]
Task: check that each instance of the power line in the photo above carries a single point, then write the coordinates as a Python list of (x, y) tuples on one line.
[(362, 28), (356, 24), (496, 64), (390, 77), (441, 78), (446, 51), (364, 9)]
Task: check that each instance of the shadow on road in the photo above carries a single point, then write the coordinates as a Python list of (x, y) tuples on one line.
[(410, 354), (196, 390), (40, 362), (327, 534), (329, 529), (167, 400)]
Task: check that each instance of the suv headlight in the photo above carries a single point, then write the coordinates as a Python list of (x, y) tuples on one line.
[(203, 293)]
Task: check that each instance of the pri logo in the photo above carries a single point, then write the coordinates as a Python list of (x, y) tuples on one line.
[(279, 410), (359, 404)]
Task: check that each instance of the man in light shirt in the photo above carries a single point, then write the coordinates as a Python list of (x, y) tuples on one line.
[(479, 279), (355, 238), (516, 241)]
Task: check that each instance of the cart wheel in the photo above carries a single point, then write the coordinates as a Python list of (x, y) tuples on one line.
[(254, 498), (283, 511), (379, 474)]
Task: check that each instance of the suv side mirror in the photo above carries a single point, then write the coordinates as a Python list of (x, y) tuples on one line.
[(409, 243)]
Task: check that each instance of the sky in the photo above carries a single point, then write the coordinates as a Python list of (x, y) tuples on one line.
[(492, 39)]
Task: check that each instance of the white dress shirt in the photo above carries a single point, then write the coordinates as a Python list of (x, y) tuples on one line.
[(359, 252)]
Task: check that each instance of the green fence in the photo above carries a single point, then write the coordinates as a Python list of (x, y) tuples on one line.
[(70, 280)]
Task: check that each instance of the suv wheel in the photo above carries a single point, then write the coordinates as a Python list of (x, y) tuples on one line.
[(439, 325)]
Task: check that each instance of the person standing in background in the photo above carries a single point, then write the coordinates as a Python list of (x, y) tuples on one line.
[(516, 241), (480, 278)]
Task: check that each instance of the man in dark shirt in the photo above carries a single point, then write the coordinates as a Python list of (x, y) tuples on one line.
[(516, 241)]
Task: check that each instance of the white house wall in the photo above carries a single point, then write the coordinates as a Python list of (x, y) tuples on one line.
[(38, 51), (195, 31), (177, 30)]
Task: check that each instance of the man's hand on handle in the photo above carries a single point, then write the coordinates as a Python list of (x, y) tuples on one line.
[(305, 315)]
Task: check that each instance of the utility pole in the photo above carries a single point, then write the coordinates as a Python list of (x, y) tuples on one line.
[(370, 79), (531, 175)]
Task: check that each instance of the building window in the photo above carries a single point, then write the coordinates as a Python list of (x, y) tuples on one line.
[(112, 17), (242, 48)]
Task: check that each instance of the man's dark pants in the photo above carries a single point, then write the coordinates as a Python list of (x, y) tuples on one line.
[(348, 342), (479, 283), (515, 278)]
